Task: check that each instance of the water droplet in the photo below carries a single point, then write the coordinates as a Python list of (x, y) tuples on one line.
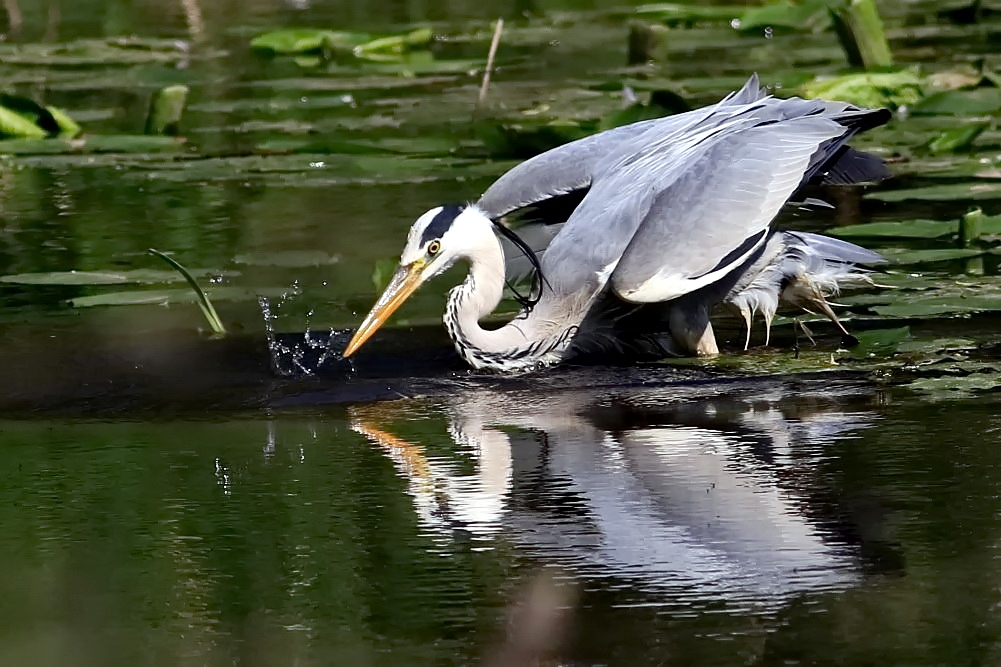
[(735, 24), (768, 32)]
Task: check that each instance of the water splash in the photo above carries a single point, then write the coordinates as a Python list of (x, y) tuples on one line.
[(291, 356)]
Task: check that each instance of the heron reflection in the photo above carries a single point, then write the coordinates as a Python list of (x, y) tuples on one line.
[(650, 485)]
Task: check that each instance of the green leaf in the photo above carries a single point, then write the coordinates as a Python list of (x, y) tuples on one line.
[(907, 256), (397, 43), (976, 102), (68, 128), (958, 138), (959, 192), (165, 111), (204, 303), (930, 306), (879, 342), (868, 89), (15, 125), (135, 277), (673, 13), (95, 143), (809, 14), (952, 387), (291, 41), (911, 229), (138, 297)]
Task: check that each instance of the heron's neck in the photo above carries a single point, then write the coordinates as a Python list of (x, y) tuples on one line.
[(506, 348)]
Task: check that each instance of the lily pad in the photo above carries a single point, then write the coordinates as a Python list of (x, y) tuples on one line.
[(879, 342), (111, 143), (23, 117), (785, 14), (91, 52), (928, 255), (168, 297), (976, 102), (952, 387), (911, 229), (361, 45), (136, 276), (869, 89), (930, 306), (959, 138), (945, 192), (673, 13)]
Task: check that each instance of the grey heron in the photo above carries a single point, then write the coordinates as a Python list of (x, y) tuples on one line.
[(674, 219)]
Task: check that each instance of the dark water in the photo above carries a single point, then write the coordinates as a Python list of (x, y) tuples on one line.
[(815, 521), (167, 499)]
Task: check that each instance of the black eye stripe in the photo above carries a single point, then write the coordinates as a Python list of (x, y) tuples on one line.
[(441, 222)]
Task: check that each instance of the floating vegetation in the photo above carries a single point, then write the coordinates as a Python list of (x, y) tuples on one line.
[(21, 117), (123, 51), (338, 43), (895, 89)]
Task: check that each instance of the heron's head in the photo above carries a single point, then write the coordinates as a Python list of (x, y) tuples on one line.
[(436, 240)]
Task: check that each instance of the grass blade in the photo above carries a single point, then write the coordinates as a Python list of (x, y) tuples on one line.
[(203, 300)]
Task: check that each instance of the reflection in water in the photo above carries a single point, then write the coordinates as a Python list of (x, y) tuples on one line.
[(669, 492)]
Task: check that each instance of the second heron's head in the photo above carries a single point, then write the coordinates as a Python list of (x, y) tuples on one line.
[(436, 241)]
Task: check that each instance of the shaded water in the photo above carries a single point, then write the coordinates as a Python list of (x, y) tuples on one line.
[(811, 520), (169, 499)]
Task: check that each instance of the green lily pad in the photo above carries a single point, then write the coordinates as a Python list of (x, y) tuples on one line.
[(97, 52), (930, 306), (976, 102), (290, 41), (911, 229), (787, 15), (952, 387), (15, 125), (958, 138), (361, 45), (946, 192), (673, 13), (109, 143), (136, 276), (879, 342), (869, 89), (928, 255), (169, 297)]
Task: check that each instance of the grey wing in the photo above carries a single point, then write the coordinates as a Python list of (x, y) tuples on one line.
[(717, 212), (574, 166)]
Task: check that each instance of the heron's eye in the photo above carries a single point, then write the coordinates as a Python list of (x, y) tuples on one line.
[(434, 247)]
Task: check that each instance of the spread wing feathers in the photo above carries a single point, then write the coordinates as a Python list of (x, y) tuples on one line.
[(723, 190), (574, 166), (803, 270)]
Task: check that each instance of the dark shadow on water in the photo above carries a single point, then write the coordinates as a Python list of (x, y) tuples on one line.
[(89, 374)]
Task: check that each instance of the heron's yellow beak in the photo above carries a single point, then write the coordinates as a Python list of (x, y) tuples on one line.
[(405, 282)]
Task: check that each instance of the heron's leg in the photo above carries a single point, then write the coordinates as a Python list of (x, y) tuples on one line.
[(691, 329)]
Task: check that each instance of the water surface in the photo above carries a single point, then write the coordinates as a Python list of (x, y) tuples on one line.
[(168, 498)]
